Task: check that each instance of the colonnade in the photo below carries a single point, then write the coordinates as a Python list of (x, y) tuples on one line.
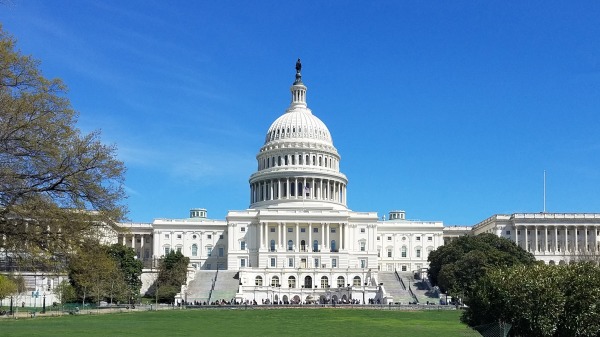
[(298, 188), (281, 237), (557, 238), (305, 159)]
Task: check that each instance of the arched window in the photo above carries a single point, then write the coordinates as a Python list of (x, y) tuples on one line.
[(324, 282), (272, 245), (307, 162), (291, 282), (403, 251), (356, 281), (308, 282), (290, 245), (303, 245), (194, 250), (275, 281), (333, 247), (316, 246), (258, 281), (341, 282), (286, 160)]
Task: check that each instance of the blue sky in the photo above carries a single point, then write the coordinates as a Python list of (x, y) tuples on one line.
[(450, 110)]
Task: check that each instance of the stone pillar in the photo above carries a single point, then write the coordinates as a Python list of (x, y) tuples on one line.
[(585, 244), (142, 255), (526, 242), (309, 243), (297, 243), (555, 239), (535, 228), (576, 240)]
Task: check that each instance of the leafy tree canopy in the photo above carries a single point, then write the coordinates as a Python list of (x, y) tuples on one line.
[(456, 266), (130, 267), (7, 287), (56, 184), (172, 274)]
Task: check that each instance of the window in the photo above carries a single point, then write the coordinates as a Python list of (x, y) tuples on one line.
[(324, 282), (389, 253), (275, 281), (273, 262), (356, 281), (290, 230), (302, 230), (507, 232), (242, 229), (403, 268), (418, 238), (333, 247), (258, 281), (209, 251), (403, 251), (221, 251), (362, 230), (333, 230), (166, 236), (333, 263), (194, 250), (209, 236), (429, 238), (316, 246), (341, 282), (418, 252), (315, 229), (194, 236), (389, 238), (379, 238), (291, 282), (221, 237), (290, 245), (167, 250), (178, 236), (242, 263), (362, 246), (138, 240), (272, 245), (272, 229), (243, 245), (316, 263), (291, 262)]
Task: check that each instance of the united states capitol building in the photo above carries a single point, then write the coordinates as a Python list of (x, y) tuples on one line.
[(299, 242)]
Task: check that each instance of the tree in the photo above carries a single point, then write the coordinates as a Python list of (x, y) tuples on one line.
[(172, 274), (7, 287), (56, 184), (92, 273), (457, 266), (539, 300), (130, 269), (64, 292)]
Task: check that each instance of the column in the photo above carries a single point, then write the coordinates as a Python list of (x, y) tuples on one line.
[(585, 244), (133, 242), (297, 243), (321, 190), (566, 239), (296, 188), (327, 238), (309, 243), (323, 241), (526, 242), (555, 238), (516, 238), (535, 228), (155, 244), (545, 238), (287, 188), (142, 255), (576, 240)]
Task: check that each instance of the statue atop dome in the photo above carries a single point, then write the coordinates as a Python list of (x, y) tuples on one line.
[(298, 75)]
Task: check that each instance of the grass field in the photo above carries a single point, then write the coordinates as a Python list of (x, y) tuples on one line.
[(239, 322)]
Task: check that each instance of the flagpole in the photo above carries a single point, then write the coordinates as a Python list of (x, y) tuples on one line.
[(544, 191)]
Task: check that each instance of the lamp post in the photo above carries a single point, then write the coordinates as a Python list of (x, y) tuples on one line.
[(44, 305)]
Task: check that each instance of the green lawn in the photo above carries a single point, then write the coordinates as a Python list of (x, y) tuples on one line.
[(240, 322)]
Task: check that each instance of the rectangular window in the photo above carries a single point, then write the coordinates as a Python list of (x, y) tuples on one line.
[(302, 230), (403, 268), (291, 262), (242, 262), (179, 236), (507, 232), (418, 238), (167, 250), (333, 230), (272, 229), (179, 249), (389, 238), (418, 253), (378, 238), (429, 238), (221, 236), (334, 263), (242, 229), (166, 236), (362, 230), (273, 262), (316, 263), (363, 263), (138, 240), (221, 251), (389, 253), (290, 230), (362, 246), (209, 236), (208, 251), (315, 230), (243, 245)]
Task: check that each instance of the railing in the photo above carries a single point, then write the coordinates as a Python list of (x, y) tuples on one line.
[(212, 287)]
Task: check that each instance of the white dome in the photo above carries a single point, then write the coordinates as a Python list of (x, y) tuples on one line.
[(298, 123)]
